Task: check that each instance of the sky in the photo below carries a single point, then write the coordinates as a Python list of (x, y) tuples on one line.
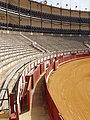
[(81, 4)]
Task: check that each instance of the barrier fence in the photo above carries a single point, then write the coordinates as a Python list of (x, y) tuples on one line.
[(33, 74), (52, 108)]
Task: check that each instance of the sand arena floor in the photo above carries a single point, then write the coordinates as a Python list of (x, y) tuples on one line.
[(69, 87)]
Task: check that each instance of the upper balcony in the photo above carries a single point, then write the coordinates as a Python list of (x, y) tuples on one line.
[(44, 15)]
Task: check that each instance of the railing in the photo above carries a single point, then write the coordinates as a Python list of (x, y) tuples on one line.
[(35, 45)]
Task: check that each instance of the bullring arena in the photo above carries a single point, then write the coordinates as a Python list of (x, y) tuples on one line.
[(44, 62), (69, 88)]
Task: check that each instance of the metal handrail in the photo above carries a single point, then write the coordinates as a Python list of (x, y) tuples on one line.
[(35, 45)]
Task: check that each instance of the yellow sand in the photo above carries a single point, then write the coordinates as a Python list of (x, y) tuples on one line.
[(69, 87)]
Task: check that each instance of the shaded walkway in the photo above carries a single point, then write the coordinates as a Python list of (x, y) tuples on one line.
[(39, 109)]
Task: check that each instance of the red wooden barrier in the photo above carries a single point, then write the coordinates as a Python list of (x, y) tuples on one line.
[(13, 114), (73, 55), (36, 75), (49, 69), (52, 109), (12, 102), (42, 69), (56, 58), (23, 104), (28, 94), (55, 64), (28, 79), (17, 112), (60, 60)]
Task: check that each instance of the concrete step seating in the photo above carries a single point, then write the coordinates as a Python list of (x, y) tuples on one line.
[(13, 50), (58, 43)]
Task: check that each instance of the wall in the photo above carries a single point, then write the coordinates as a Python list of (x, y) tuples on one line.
[(36, 22), (55, 11), (66, 25), (65, 12), (25, 4), (46, 24), (13, 19), (46, 9), (75, 13), (84, 27), (25, 21), (35, 6), (84, 15), (14, 2), (56, 25), (75, 26)]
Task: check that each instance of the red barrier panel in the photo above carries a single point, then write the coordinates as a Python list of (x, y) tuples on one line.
[(29, 87), (77, 56), (52, 109), (13, 115), (28, 94), (17, 112), (55, 65), (63, 59), (28, 78), (74, 56), (23, 104), (49, 68), (51, 60), (82, 55), (46, 73), (70, 57), (86, 55), (28, 100), (12, 102), (60, 60), (56, 58), (36, 75), (42, 68)]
